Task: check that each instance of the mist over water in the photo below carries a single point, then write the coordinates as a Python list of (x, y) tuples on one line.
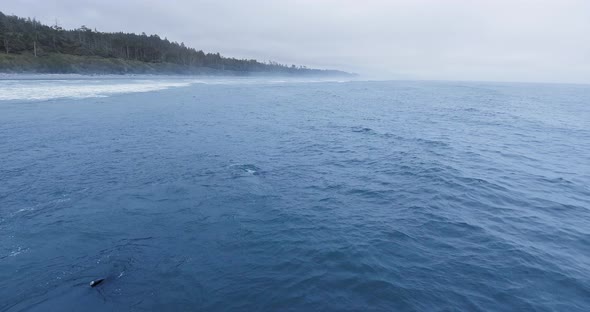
[(225, 195)]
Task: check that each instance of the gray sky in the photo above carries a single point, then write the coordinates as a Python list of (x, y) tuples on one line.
[(499, 40)]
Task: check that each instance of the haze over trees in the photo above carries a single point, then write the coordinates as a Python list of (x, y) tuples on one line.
[(29, 45)]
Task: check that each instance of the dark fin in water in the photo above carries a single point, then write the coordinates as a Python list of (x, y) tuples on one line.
[(96, 283)]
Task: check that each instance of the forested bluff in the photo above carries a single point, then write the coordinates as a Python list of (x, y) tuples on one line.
[(28, 46)]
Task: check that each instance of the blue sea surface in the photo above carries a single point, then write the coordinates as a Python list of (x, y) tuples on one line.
[(282, 196)]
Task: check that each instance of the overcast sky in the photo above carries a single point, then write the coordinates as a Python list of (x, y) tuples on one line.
[(499, 40)]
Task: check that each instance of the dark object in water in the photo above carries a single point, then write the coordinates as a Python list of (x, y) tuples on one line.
[(96, 283)]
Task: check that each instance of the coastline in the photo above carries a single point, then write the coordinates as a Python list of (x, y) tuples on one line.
[(56, 63)]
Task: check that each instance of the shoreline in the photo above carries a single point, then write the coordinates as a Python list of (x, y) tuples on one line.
[(285, 78), (57, 64)]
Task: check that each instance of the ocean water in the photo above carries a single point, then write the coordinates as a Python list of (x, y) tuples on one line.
[(246, 195)]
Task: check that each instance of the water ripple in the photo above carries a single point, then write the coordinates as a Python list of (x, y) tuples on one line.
[(293, 197)]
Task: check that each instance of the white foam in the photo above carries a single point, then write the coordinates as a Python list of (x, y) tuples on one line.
[(17, 251), (35, 90), (46, 87)]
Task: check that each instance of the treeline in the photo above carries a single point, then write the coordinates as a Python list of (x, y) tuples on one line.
[(29, 36)]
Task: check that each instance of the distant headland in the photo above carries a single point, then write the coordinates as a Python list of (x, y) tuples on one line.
[(28, 46)]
